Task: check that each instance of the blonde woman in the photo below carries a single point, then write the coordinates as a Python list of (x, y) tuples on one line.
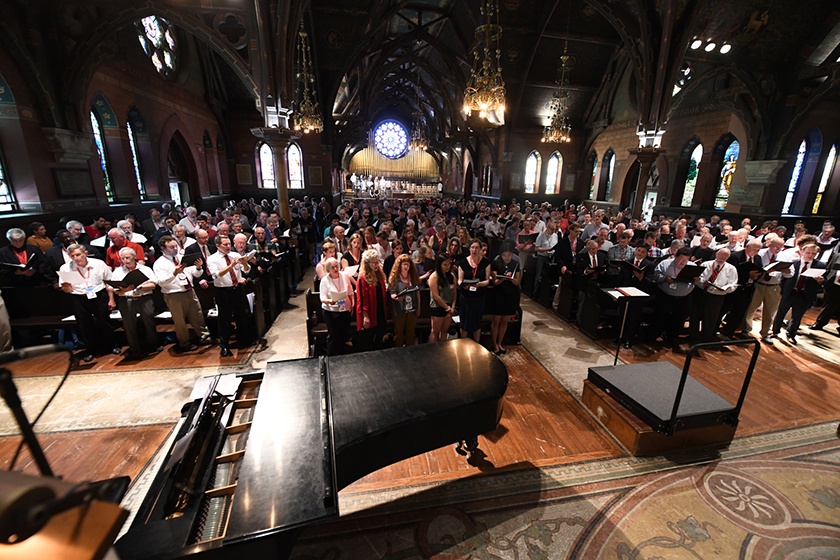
[(371, 302), (404, 288), (336, 292), (327, 252)]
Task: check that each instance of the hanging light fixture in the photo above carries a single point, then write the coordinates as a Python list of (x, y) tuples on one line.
[(559, 129), (486, 89), (307, 117), (418, 129)]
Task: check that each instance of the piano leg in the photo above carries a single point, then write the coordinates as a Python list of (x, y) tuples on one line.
[(467, 447)]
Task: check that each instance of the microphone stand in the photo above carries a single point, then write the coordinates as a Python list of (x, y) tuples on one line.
[(9, 392)]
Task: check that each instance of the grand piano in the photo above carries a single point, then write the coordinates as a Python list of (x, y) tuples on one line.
[(259, 456)]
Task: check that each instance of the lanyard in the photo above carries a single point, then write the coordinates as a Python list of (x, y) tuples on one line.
[(85, 278)]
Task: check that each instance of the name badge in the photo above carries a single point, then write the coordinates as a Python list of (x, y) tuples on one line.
[(473, 289), (672, 286), (89, 293)]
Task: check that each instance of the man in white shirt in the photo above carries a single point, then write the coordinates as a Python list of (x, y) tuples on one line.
[(767, 288), (227, 269), (133, 300), (91, 301), (544, 250), (493, 229), (718, 279), (190, 221), (182, 239), (175, 281)]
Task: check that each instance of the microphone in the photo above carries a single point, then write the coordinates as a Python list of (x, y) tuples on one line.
[(31, 352)]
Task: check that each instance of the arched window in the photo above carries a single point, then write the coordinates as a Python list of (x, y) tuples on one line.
[(609, 165), (691, 177), (594, 174), (135, 160), (294, 161), (103, 155), (7, 197), (795, 176), (826, 177), (267, 167), (553, 173), (157, 37), (730, 163), (532, 171)]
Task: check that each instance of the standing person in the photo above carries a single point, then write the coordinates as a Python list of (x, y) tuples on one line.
[(473, 277), (336, 291), (176, 279), (371, 302), (565, 255), (327, 252), (831, 301), (136, 300), (404, 289), (768, 292), (544, 250), (228, 270), (442, 298), (718, 279), (799, 292), (503, 301), (388, 262), (118, 242), (353, 255), (91, 302), (747, 263), (672, 302)]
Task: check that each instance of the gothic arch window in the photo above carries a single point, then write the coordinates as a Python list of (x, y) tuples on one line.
[(828, 170), (594, 158), (158, 40), (102, 153), (727, 171), (691, 176), (7, 196), (609, 165), (532, 172), (553, 173), (294, 161), (267, 176), (795, 176)]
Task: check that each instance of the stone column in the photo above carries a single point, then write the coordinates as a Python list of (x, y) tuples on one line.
[(278, 140), (646, 157)]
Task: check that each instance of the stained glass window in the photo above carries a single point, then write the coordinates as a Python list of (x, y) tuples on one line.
[(691, 178), (135, 160), (553, 173), (532, 171), (157, 38), (594, 174), (609, 164), (826, 177), (103, 155), (391, 139), (267, 166), (686, 73), (795, 176), (294, 161), (730, 163), (7, 197)]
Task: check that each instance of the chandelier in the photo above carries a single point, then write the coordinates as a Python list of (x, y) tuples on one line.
[(559, 130), (308, 116), (486, 89), (418, 130)]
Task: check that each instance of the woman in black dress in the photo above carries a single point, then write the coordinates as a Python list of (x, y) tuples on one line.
[(473, 277), (503, 301)]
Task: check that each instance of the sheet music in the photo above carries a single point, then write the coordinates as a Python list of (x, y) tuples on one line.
[(813, 272)]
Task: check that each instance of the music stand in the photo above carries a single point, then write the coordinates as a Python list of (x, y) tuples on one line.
[(626, 294)]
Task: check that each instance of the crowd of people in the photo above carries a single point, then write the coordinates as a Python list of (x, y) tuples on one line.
[(373, 257), (201, 264), (374, 251)]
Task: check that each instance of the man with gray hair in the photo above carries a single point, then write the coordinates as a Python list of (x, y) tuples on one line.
[(77, 230), (118, 241), (190, 220), (136, 299), (22, 264)]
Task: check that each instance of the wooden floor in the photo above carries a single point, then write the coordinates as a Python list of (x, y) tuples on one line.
[(542, 423)]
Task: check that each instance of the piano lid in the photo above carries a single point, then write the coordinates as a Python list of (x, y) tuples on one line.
[(282, 481), (407, 384)]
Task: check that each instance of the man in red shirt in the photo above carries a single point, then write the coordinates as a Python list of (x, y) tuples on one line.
[(97, 228), (118, 241)]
